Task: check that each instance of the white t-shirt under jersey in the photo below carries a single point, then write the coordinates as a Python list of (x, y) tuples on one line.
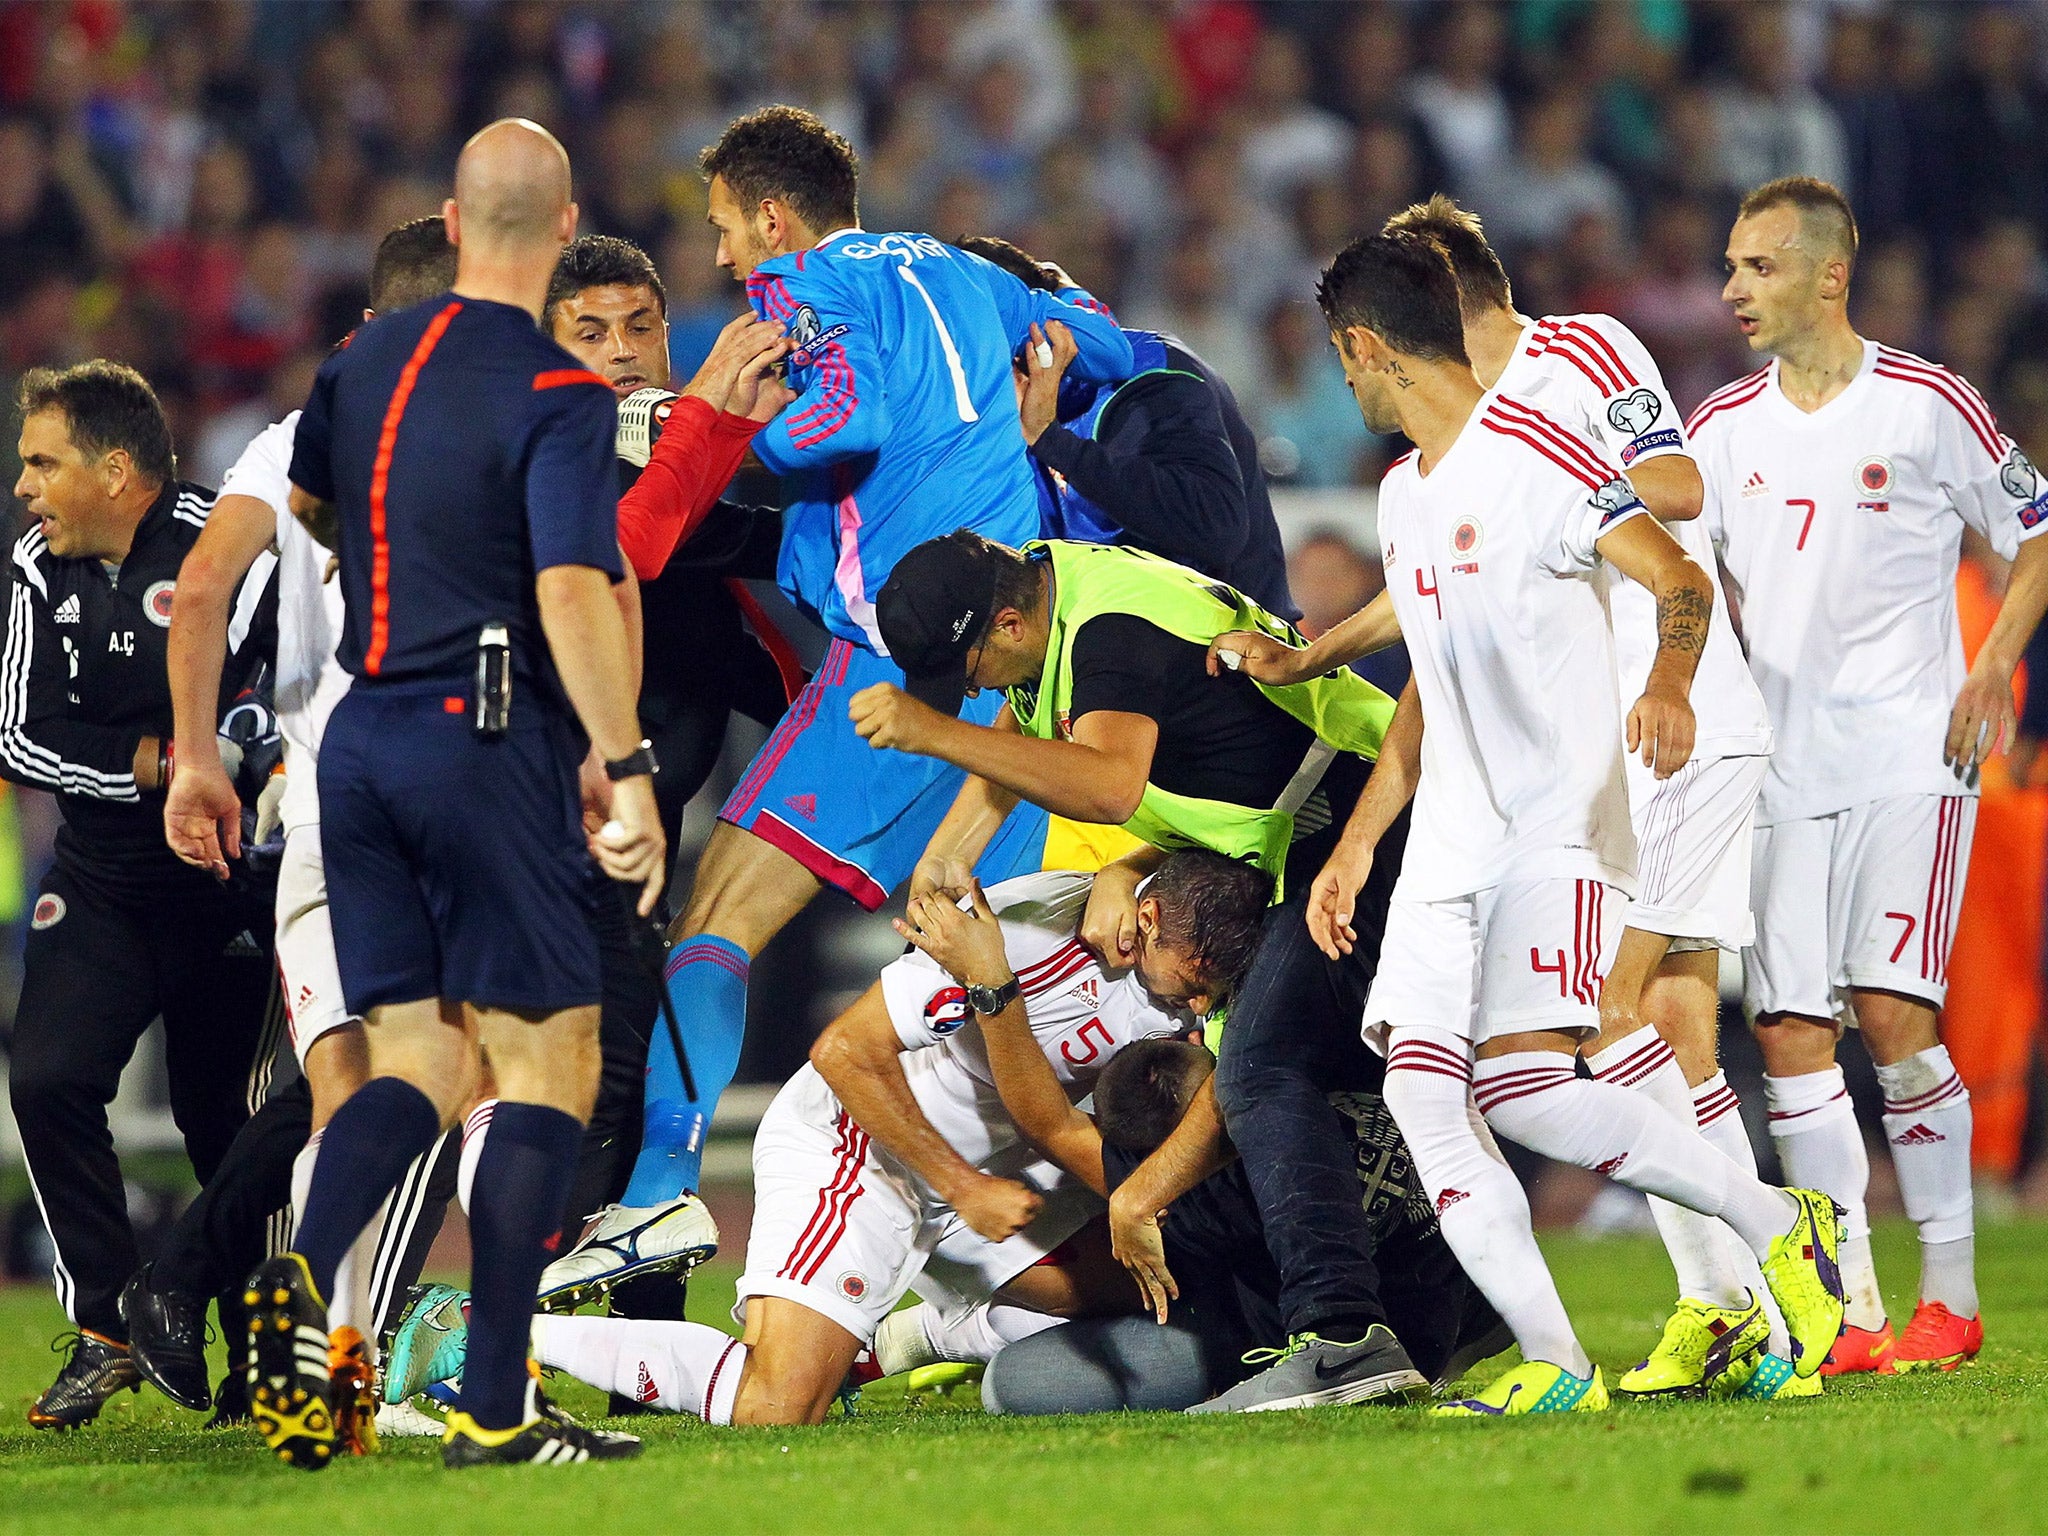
[(309, 614), (1491, 562), (1081, 1015), (1592, 375), (1840, 530)]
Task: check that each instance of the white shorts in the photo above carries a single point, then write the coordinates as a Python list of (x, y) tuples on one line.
[(1866, 897), (1694, 833), (841, 1228), (1521, 955), (306, 967)]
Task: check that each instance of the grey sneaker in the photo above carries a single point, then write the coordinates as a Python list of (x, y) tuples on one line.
[(1315, 1372)]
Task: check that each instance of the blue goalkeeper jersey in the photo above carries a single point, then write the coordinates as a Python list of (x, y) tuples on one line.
[(905, 423)]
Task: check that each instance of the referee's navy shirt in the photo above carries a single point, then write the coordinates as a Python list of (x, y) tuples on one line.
[(465, 452)]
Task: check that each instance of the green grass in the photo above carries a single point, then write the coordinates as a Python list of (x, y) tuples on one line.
[(1908, 1454)]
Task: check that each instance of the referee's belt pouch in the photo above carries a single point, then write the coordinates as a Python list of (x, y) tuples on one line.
[(493, 702)]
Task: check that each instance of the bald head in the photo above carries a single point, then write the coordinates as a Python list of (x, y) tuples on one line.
[(512, 186)]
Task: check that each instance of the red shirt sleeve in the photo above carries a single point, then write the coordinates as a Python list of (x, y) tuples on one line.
[(698, 454)]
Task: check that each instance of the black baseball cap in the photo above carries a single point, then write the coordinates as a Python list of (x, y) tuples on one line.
[(933, 611)]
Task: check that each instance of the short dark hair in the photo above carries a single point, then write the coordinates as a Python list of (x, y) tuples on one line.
[(599, 261), (788, 154), (1820, 203), (1013, 259), (1401, 288), (106, 406), (413, 263), (1214, 908), (1458, 232), (1146, 1088)]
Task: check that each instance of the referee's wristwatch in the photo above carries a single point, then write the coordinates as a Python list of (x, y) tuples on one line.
[(640, 760), (993, 1000)]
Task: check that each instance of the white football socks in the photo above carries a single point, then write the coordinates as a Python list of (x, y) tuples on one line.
[(1813, 1126), (1479, 1203), (1719, 1113), (677, 1367), (977, 1334), (1702, 1255), (1927, 1121), (1535, 1098), (475, 1129)]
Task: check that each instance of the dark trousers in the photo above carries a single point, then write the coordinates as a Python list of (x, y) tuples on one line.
[(93, 979), (1291, 1040)]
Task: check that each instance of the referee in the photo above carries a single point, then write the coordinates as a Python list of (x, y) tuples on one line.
[(122, 931), (462, 465)]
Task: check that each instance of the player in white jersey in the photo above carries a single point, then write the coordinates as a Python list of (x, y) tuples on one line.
[(888, 1163), (1502, 923), (1660, 1000), (1840, 478), (202, 815)]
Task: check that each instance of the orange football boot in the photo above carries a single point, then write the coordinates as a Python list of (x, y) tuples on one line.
[(1858, 1350), (1938, 1340)]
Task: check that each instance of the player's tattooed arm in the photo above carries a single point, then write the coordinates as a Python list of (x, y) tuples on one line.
[(1682, 617), (1660, 725)]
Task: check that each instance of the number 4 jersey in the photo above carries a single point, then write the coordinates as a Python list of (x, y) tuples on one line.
[(1840, 530), (1081, 1015)]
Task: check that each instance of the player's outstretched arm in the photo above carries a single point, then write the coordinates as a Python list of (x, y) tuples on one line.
[(857, 1055), (1197, 1148), (1985, 716), (1277, 664), (1334, 895), (1670, 486), (1102, 351), (202, 815), (961, 943), (1660, 725), (970, 824)]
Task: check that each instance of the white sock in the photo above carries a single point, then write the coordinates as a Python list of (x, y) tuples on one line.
[(1927, 1122), (1813, 1126), (1533, 1097), (302, 1178), (1479, 1203), (677, 1367), (1698, 1245), (350, 1306), (979, 1333), (1719, 1113), (473, 1132)]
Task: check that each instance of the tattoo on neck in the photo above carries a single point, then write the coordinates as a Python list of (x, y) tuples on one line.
[(1682, 616), (1400, 374)]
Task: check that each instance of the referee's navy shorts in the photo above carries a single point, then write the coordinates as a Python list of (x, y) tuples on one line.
[(457, 867)]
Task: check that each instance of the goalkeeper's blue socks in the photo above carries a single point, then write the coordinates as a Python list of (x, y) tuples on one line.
[(707, 984), (364, 1151)]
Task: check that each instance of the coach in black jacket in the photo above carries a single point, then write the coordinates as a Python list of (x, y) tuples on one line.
[(122, 931)]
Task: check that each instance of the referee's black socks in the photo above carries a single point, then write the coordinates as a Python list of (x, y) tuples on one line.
[(515, 1208), (364, 1151)]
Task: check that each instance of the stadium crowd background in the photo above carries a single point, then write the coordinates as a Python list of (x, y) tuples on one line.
[(196, 187)]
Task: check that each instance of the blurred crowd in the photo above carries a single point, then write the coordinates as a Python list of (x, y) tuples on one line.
[(195, 185)]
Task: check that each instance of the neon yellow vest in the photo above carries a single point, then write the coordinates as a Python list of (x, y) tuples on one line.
[(1345, 711)]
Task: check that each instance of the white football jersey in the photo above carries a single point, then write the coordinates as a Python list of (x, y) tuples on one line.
[(1491, 562), (1591, 374), (1840, 530), (1081, 1015), (309, 681)]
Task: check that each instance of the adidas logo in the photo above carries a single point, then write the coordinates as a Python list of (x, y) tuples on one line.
[(243, 946), (646, 1391), (1449, 1198), (1754, 485), (1612, 1166), (1918, 1134), (305, 996), (805, 806), (67, 611)]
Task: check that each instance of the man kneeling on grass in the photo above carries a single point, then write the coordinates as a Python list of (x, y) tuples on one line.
[(888, 1164)]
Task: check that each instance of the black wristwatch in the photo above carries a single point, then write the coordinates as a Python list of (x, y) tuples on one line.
[(993, 1000), (640, 760)]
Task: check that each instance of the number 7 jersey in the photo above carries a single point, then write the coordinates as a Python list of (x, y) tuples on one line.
[(1840, 530)]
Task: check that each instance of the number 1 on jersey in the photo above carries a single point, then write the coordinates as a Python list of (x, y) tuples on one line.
[(963, 402)]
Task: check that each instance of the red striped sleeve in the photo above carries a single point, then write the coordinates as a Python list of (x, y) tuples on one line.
[(1563, 446), (1729, 396), (1952, 387)]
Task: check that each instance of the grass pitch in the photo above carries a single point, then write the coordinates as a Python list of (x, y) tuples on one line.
[(1920, 1454)]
